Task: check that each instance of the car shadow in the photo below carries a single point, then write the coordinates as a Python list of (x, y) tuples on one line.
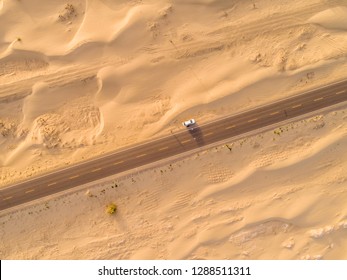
[(196, 133)]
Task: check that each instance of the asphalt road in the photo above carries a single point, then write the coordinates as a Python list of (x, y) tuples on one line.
[(171, 145)]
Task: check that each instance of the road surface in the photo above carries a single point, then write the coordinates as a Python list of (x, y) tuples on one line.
[(172, 145)]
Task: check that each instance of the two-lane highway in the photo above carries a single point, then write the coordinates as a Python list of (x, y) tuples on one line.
[(173, 144)]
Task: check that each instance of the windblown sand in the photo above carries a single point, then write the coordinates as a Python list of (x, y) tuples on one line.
[(83, 78), (276, 195)]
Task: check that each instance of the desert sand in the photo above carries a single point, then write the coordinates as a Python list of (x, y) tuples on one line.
[(82, 78), (279, 194)]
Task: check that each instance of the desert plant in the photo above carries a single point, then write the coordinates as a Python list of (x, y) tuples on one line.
[(111, 208)]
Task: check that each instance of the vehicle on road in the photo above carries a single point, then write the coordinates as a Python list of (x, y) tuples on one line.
[(189, 123)]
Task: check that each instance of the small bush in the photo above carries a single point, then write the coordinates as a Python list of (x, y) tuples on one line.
[(111, 208)]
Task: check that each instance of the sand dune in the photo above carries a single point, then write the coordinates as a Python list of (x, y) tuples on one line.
[(22, 61), (83, 78), (334, 18)]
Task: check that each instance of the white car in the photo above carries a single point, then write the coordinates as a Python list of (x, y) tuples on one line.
[(189, 123)]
